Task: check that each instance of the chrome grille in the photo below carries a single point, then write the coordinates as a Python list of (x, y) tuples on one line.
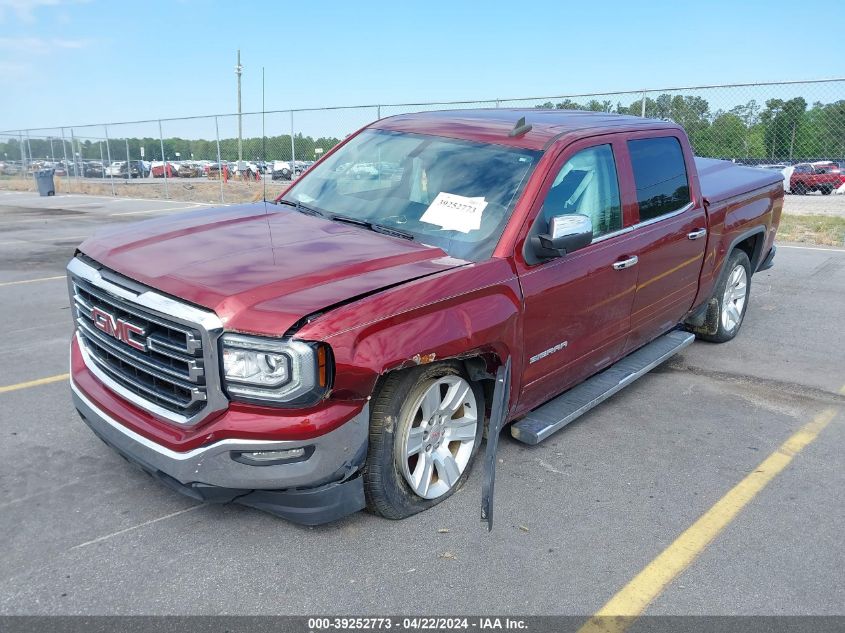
[(165, 364)]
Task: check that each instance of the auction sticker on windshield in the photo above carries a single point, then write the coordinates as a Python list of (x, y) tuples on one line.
[(455, 213)]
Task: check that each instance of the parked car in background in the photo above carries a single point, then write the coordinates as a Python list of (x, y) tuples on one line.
[(281, 170), (114, 168), (246, 170), (10, 168), (158, 169), (93, 169), (134, 169), (823, 176), (189, 170), (214, 170)]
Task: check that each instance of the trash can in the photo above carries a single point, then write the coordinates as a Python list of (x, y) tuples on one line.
[(44, 178)]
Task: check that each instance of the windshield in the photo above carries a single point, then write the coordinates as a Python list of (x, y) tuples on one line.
[(457, 195)]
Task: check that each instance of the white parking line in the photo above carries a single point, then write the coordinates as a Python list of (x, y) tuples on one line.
[(813, 248), (31, 281), (23, 242), (140, 525)]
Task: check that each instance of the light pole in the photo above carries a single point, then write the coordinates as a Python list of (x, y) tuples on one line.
[(239, 71)]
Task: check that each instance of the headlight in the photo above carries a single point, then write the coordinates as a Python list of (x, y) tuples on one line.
[(274, 370)]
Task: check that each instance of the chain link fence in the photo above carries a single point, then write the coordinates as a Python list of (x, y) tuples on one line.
[(229, 157)]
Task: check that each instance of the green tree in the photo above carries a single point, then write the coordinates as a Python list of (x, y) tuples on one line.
[(782, 121)]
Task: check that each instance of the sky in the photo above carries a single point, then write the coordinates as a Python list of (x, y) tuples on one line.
[(75, 62)]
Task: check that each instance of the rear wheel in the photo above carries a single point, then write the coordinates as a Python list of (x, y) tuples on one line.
[(425, 431), (799, 188), (826, 190), (731, 294)]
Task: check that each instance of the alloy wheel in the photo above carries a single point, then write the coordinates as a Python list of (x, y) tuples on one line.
[(439, 441), (733, 300)]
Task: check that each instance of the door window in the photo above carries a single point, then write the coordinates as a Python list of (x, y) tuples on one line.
[(587, 184), (660, 175)]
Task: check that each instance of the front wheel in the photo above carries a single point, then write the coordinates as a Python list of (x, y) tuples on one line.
[(732, 294), (425, 430)]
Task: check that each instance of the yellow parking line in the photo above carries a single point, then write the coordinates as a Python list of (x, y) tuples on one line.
[(622, 610), (34, 383), (31, 281)]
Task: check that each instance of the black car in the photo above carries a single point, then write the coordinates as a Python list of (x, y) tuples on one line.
[(93, 170), (133, 169)]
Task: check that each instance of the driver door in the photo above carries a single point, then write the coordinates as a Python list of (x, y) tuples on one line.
[(577, 308)]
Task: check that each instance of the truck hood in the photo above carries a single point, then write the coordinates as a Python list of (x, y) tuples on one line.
[(262, 267)]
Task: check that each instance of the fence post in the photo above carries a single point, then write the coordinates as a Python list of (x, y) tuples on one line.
[(52, 151), (163, 159), (64, 154), (23, 154), (292, 149), (73, 157), (219, 163), (108, 154), (102, 162), (128, 167), (642, 109), (378, 112)]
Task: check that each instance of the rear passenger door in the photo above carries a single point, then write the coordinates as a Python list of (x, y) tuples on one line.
[(670, 234)]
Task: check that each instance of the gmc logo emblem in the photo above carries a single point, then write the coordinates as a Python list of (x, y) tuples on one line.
[(129, 333)]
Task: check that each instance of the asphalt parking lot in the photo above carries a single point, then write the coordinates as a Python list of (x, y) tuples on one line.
[(577, 517)]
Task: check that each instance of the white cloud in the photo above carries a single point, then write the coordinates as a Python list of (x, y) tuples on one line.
[(39, 45), (25, 10), (13, 70)]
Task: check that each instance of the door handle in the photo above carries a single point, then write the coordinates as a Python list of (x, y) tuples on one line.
[(626, 263), (696, 234)]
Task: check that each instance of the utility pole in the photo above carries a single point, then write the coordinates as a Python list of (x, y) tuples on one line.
[(239, 71)]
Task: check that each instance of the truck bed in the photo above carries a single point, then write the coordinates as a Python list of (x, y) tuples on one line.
[(722, 179)]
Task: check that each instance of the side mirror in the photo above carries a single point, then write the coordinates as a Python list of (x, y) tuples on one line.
[(567, 233)]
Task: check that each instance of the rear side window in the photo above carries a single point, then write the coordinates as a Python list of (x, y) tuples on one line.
[(660, 175)]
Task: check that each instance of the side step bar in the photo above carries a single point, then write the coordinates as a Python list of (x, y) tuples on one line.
[(557, 413)]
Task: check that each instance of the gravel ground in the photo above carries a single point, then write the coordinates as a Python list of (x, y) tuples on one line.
[(815, 204), (180, 189)]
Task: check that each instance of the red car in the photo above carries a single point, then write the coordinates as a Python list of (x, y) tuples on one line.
[(825, 177), (157, 170), (346, 346)]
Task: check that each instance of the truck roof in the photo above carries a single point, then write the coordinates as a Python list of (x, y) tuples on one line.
[(492, 125)]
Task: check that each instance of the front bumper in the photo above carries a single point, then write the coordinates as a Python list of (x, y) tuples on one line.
[(323, 486)]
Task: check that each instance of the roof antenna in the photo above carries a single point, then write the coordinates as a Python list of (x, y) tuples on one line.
[(520, 128)]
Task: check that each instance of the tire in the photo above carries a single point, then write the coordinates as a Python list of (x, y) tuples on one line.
[(826, 191), (397, 415), (799, 189), (736, 278)]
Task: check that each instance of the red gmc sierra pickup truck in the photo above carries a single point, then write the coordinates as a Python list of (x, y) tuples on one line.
[(345, 345)]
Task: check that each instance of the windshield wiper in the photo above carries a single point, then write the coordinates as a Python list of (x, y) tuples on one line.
[(303, 208), (378, 228)]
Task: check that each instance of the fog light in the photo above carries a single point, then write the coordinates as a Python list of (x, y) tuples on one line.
[(268, 458)]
